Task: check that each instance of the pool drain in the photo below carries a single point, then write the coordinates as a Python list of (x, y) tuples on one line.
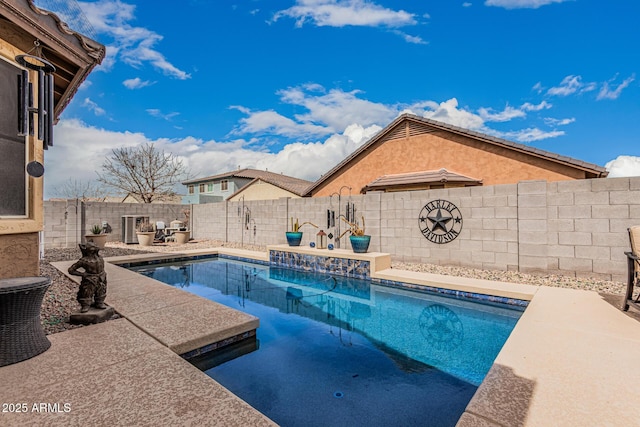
[(338, 394)]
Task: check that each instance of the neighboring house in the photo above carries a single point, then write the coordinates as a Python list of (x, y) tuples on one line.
[(262, 185), (412, 153), (28, 30), (272, 186)]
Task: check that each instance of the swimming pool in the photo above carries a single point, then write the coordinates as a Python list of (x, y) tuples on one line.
[(332, 350)]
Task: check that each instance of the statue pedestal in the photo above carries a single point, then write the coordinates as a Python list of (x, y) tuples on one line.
[(94, 315)]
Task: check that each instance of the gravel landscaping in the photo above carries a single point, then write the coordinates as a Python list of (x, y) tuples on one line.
[(60, 300)]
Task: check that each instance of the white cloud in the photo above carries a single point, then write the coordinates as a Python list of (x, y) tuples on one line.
[(521, 4), (328, 112), (466, 4), (558, 122), (341, 13), (85, 85), (448, 112), (608, 92), (530, 134), (86, 147), (310, 160), (538, 87), (623, 166), (133, 45), (136, 83), (544, 105), (410, 39), (92, 106), (510, 113), (336, 109), (505, 115), (570, 85), (272, 122), (154, 112)]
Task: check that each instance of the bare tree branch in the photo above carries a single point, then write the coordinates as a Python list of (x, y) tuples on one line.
[(74, 189), (144, 172)]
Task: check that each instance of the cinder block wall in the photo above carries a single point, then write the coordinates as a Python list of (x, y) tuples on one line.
[(574, 228), (63, 219)]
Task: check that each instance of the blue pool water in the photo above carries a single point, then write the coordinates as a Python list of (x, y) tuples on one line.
[(333, 351)]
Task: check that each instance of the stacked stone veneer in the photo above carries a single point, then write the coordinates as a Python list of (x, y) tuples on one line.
[(353, 268), (575, 228), (63, 219)]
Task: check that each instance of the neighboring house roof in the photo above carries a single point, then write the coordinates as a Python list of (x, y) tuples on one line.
[(295, 185), (73, 54), (413, 179), (393, 131), (298, 190)]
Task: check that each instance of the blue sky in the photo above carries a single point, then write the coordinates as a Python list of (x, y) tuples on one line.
[(294, 86)]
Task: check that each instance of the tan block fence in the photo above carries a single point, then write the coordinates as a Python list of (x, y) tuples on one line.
[(574, 228), (66, 222)]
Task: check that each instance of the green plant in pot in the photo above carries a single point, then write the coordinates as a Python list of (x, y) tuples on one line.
[(97, 236), (359, 240), (294, 237)]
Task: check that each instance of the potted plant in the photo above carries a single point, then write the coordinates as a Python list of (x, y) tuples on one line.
[(97, 236), (359, 240), (145, 234), (294, 237)]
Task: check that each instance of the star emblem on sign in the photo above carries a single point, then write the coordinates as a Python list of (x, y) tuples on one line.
[(440, 221)]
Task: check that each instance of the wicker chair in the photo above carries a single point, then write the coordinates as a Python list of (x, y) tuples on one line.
[(633, 268), (21, 333)]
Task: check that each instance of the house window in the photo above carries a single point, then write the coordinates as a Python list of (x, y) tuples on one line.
[(210, 187), (201, 188), (13, 197), (224, 185), (191, 189)]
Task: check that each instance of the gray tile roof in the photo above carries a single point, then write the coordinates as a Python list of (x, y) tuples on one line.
[(295, 185), (422, 177)]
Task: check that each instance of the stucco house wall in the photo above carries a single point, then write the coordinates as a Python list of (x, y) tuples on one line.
[(412, 146)]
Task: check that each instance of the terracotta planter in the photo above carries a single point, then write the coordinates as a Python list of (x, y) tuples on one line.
[(294, 238), (145, 238), (98, 239), (182, 237)]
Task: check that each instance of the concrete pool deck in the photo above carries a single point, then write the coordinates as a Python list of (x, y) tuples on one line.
[(571, 360)]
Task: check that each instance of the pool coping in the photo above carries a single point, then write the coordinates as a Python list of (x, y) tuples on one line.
[(569, 360), (196, 323)]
